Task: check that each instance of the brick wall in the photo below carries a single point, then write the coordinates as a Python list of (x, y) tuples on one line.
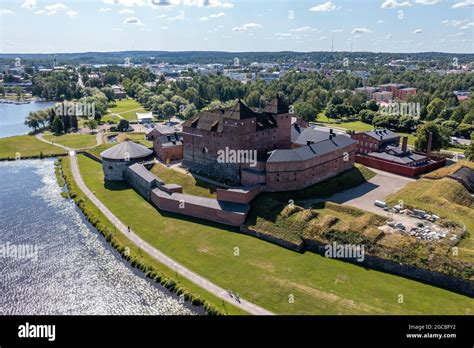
[(286, 176), (238, 195), (166, 202), (398, 168)]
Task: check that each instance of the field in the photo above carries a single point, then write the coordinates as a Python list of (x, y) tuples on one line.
[(27, 146), (74, 141), (446, 198), (138, 254), (190, 184), (126, 109), (266, 274), (136, 137)]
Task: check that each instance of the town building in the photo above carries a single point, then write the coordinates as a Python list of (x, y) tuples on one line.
[(167, 142), (144, 117), (381, 149)]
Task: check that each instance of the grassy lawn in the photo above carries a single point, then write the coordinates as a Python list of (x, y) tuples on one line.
[(27, 146), (190, 184), (136, 137), (357, 126), (74, 141), (267, 274), (138, 254), (446, 198), (124, 109)]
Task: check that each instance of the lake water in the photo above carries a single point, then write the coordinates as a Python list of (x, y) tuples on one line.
[(12, 117), (68, 268)]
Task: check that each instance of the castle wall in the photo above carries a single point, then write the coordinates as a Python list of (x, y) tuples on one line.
[(296, 175)]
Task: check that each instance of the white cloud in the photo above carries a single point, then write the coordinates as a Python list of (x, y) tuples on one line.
[(248, 26), (454, 22), (179, 17), (217, 15), (161, 16), (29, 4), (467, 26), (303, 29), (323, 38), (283, 34), (388, 37), (326, 7), (164, 28), (337, 30), (361, 31), (417, 31), (6, 12), (105, 9), (126, 11), (427, 2), (53, 9), (395, 4), (380, 21), (132, 20), (117, 29), (72, 14), (463, 4), (170, 3), (39, 12)]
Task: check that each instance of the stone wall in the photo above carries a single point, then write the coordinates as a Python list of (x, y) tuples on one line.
[(113, 170), (139, 183), (296, 175), (242, 195), (178, 203)]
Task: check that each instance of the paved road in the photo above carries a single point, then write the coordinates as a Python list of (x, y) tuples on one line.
[(99, 141), (377, 188), (158, 255)]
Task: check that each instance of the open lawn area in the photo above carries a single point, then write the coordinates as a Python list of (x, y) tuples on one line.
[(136, 137), (126, 108), (266, 274), (27, 146), (72, 140), (190, 184)]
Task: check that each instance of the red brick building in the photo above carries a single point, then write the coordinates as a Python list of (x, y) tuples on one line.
[(167, 142)]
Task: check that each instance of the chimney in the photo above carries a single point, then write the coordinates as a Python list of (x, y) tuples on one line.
[(404, 144), (428, 146)]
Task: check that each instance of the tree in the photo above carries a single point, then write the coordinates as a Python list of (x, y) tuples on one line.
[(92, 124), (57, 126), (169, 109), (434, 109), (422, 135), (2, 91), (367, 116), (305, 110), (123, 125), (109, 93), (189, 111), (469, 153), (372, 105)]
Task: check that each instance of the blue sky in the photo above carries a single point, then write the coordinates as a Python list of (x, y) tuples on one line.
[(29, 26)]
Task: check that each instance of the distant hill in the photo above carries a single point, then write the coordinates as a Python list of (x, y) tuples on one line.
[(204, 57)]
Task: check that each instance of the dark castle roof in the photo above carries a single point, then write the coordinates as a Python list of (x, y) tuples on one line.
[(126, 150), (382, 134), (213, 120), (309, 151), (466, 176)]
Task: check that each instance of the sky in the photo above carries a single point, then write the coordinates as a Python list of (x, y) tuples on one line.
[(37, 26)]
